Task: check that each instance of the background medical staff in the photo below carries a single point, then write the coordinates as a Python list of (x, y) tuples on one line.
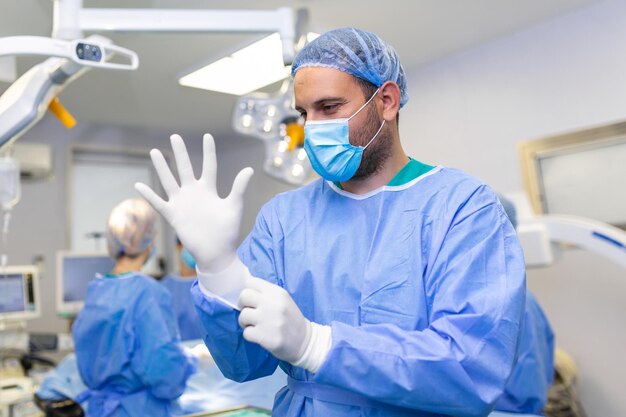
[(390, 287), (126, 337)]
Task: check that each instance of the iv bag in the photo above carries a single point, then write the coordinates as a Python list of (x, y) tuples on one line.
[(9, 183)]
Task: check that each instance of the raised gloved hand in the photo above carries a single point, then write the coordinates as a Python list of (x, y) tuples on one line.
[(271, 318), (207, 225)]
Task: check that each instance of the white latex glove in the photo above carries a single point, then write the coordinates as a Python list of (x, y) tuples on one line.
[(271, 318), (206, 224)]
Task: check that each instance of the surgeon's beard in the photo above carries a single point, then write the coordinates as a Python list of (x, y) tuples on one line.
[(375, 156)]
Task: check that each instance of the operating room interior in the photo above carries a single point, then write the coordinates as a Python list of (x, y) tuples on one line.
[(485, 78)]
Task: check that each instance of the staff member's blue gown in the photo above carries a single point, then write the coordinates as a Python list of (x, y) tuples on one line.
[(527, 388), (423, 284), (186, 315), (128, 350)]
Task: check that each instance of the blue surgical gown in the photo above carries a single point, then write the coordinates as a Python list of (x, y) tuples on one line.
[(527, 388), (128, 348), (184, 310), (423, 285)]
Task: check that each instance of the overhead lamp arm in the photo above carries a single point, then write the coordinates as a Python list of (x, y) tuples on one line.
[(71, 19), (94, 52), (26, 101)]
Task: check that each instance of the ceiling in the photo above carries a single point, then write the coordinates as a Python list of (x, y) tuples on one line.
[(420, 30)]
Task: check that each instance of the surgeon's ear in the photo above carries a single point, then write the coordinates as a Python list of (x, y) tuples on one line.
[(390, 96)]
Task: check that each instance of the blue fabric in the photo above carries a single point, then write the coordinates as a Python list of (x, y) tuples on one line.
[(188, 321), (423, 286), (532, 376), (358, 53), (509, 209), (527, 389), (63, 382), (128, 348), (206, 390)]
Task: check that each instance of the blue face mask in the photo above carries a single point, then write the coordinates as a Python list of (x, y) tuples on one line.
[(327, 144), (188, 258)]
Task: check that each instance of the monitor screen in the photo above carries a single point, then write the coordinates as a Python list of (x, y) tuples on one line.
[(17, 293), (12, 293), (74, 273)]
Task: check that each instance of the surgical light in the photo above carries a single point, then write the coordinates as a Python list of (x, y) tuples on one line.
[(278, 161), (273, 119), (297, 170), (267, 126), (246, 120), (25, 102)]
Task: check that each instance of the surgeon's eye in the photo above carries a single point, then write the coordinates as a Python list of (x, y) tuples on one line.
[(330, 108)]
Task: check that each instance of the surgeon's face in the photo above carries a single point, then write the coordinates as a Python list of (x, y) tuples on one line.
[(327, 93)]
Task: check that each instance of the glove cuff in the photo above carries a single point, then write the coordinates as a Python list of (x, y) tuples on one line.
[(317, 349), (226, 284)]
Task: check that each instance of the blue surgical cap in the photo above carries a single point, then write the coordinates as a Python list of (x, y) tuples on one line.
[(357, 53)]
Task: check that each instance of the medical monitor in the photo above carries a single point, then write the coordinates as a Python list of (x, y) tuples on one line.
[(74, 273), (19, 293)]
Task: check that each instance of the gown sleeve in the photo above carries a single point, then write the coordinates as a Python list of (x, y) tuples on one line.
[(159, 359), (237, 358), (459, 363)]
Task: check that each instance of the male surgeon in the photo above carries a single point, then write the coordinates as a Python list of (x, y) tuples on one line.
[(388, 287)]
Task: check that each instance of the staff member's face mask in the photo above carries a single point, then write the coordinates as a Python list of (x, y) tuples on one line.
[(188, 258), (327, 143)]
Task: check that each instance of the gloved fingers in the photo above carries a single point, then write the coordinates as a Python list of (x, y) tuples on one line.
[(163, 171), (209, 164), (259, 284), (183, 164), (249, 317), (152, 198), (249, 298), (253, 334), (241, 183)]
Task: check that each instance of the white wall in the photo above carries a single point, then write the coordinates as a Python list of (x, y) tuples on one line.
[(39, 223), (469, 111)]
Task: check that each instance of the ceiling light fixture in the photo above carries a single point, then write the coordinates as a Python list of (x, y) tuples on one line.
[(248, 69)]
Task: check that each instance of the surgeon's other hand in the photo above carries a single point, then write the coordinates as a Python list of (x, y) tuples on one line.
[(207, 225), (271, 318)]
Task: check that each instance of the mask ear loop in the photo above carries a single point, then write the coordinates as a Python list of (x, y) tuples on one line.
[(372, 140), (362, 107), (366, 103)]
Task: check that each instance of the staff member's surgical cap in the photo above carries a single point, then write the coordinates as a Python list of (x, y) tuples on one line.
[(355, 52), (130, 228)]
